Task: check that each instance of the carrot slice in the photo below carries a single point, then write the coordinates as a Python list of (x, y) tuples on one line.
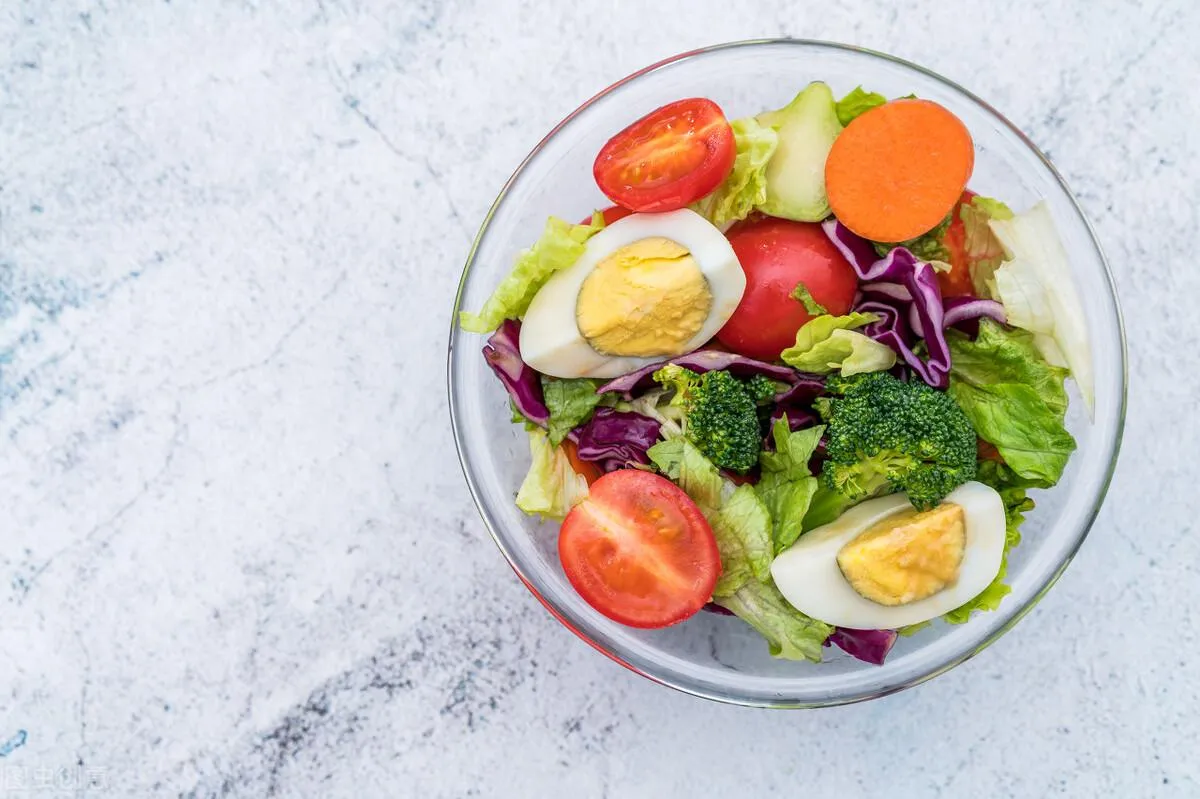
[(590, 471), (897, 170)]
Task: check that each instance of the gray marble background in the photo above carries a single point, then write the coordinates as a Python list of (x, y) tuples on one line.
[(238, 554)]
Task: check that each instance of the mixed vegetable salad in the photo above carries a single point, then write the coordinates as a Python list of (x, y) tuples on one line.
[(799, 372)]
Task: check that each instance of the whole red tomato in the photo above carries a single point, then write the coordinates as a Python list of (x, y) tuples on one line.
[(776, 255)]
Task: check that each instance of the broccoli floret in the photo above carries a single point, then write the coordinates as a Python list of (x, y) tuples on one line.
[(884, 433), (762, 389), (721, 415), (722, 421), (683, 381)]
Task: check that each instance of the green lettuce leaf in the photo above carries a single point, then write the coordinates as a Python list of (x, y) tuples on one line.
[(829, 343), (805, 297), (787, 486), (857, 103), (746, 185), (1037, 288), (1011, 488), (551, 487), (678, 459), (790, 634), (928, 246), (793, 451), (983, 250), (740, 523), (1014, 399), (516, 417), (559, 247), (742, 528), (992, 207), (826, 505), (571, 402)]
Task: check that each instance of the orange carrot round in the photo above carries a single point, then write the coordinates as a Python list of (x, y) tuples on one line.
[(590, 470), (896, 171)]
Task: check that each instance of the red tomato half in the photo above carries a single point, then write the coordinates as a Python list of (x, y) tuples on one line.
[(957, 281), (776, 254), (668, 158), (639, 551)]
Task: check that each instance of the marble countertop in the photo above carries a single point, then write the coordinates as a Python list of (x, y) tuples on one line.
[(238, 554)]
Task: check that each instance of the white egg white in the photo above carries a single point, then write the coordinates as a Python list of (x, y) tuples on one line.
[(550, 339), (808, 576)]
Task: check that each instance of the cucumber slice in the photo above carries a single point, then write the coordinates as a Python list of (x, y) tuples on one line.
[(795, 174)]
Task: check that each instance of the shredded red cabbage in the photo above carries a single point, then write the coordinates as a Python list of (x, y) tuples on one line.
[(904, 291), (700, 361), (806, 388), (871, 646), (962, 309), (798, 419), (615, 439), (503, 354)]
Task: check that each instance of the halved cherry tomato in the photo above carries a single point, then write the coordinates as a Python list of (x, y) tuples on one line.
[(957, 281), (668, 158), (777, 254), (590, 471), (987, 452), (639, 551), (611, 214)]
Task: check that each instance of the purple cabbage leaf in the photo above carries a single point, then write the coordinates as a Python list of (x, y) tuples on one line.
[(870, 646), (615, 439)]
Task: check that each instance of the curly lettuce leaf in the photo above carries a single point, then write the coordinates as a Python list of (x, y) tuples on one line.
[(1038, 292), (992, 207), (746, 185), (1011, 488), (857, 103), (742, 528), (1014, 399), (1012, 491), (983, 250), (827, 504), (790, 634), (787, 485), (571, 402), (559, 246), (741, 523), (929, 246), (551, 487), (682, 462), (826, 344)]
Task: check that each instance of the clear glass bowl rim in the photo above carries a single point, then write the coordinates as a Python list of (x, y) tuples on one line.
[(706, 692)]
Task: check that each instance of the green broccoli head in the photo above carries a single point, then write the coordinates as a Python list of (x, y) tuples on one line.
[(762, 389), (721, 415), (683, 381), (884, 433), (722, 421)]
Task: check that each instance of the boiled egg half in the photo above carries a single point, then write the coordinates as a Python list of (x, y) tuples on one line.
[(647, 287), (883, 564)]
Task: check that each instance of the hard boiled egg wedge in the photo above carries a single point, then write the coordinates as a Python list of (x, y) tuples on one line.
[(647, 287), (883, 564)]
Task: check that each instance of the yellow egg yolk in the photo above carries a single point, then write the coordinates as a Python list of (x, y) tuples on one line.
[(647, 299), (906, 557)]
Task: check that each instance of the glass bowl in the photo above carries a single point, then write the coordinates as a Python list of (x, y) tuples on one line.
[(715, 656)]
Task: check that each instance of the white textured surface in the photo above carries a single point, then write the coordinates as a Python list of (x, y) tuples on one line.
[(238, 556)]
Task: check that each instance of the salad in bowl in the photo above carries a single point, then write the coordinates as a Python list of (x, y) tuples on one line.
[(797, 370)]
